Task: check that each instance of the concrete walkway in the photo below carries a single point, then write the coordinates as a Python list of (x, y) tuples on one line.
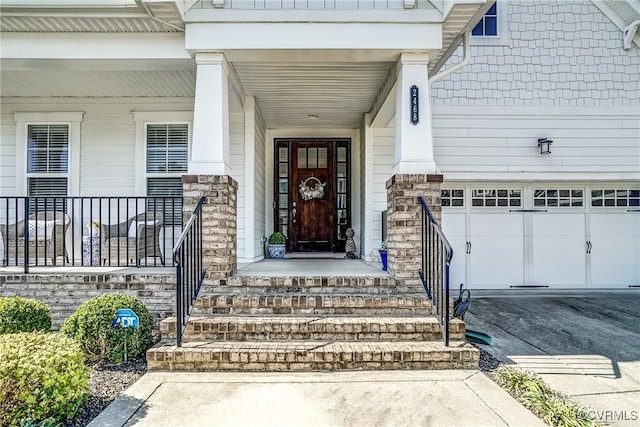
[(350, 399), (585, 344)]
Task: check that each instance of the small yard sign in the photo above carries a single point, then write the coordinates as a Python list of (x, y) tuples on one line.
[(126, 318)]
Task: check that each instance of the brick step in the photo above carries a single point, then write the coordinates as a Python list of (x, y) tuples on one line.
[(310, 304), (275, 328), (316, 285), (311, 356)]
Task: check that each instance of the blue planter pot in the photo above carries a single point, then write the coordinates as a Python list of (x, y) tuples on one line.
[(383, 258), (277, 251)]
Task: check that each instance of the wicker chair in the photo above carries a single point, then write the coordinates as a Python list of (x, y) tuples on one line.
[(47, 231), (122, 242)]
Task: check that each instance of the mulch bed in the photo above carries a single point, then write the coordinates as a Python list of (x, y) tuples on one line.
[(106, 382)]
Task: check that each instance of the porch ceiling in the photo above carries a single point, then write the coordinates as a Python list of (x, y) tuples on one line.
[(109, 78), (313, 95), (288, 93)]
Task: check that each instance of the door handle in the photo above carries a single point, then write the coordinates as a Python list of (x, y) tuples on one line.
[(589, 246), (294, 211), (468, 247)]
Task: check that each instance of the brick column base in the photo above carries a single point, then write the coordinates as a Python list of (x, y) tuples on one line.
[(219, 215), (404, 222)]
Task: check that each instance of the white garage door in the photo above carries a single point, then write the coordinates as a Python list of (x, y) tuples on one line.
[(558, 240), (551, 236), (614, 240)]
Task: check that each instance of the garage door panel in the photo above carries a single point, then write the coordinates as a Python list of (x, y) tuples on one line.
[(494, 276), (497, 257), (490, 224), (615, 224), (454, 228), (615, 276), (497, 250), (615, 249), (557, 251), (612, 250)]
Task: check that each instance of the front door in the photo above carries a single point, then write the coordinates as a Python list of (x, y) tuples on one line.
[(312, 193)]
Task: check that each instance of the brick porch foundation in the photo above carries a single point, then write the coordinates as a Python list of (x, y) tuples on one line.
[(404, 219), (220, 228)]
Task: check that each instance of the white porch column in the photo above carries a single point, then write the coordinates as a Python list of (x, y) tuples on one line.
[(210, 141), (413, 142)]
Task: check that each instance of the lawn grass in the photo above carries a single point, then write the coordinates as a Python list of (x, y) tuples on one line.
[(553, 408)]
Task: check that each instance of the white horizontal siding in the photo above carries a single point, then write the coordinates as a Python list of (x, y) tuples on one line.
[(501, 140), (7, 153), (236, 147), (107, 139), (383, 158)]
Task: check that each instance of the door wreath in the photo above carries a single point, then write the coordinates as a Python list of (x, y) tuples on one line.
[(309, 192)]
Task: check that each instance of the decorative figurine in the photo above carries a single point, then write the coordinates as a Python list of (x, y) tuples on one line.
[(350, 246)]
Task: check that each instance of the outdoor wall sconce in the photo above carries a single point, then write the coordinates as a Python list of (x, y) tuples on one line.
[(545, 145)]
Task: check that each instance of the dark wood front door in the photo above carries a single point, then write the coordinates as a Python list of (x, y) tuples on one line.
[(311, 189)]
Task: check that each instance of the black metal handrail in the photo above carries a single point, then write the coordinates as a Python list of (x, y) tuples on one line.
[(434, 274), (187, 255), (88, 230)]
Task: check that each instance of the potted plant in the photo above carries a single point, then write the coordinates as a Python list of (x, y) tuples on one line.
[(277, 245), (383, 255)]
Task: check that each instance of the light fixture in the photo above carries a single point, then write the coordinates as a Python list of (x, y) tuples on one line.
[(545, 145)]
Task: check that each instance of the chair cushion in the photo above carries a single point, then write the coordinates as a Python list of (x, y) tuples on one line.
[(42, 229), (133, 228)]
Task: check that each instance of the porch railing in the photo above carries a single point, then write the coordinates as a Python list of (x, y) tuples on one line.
[(434, 274), (187, 255), (88, 231)]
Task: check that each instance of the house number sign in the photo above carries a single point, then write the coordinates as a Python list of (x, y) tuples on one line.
[(413, 96)]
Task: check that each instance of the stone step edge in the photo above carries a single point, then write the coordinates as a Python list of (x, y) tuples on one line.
[(305, 356), (339, 328), (309, 322), (311, 300)]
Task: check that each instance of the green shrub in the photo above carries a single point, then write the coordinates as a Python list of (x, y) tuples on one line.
[(553, 408), (43, 378), (277, 238), (91, 326), (23, 315)]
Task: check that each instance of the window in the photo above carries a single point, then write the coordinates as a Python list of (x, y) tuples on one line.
[(452, 198), (557, 198), (615, 198), (488, 25), (496, 198), (167, 147), (47, 165)]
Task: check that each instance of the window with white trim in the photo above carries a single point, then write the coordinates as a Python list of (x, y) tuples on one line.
[(615, 197), (452, 198), (562, 198), (488, 25), (491, 197), (47, 165), (167, 147)]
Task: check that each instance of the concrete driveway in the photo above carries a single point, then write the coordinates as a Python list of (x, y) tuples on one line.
[(585, 344)]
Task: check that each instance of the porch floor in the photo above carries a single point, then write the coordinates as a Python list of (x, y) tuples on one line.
[(288, 267), (296, 267)]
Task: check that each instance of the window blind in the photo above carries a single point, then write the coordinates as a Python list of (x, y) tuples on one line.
[(167, 148), (165, 187), (47, 193), (48, 149)]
